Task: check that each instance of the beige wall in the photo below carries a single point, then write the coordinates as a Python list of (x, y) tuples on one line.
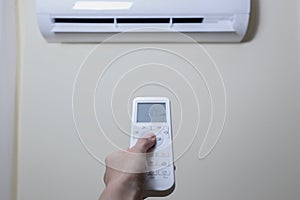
[(257, 156), (8, 66)]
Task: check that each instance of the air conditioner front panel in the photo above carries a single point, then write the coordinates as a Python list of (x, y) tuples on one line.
[(150, 7), (59, 20)]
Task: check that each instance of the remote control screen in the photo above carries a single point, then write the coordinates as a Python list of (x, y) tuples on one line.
[(151, 112)]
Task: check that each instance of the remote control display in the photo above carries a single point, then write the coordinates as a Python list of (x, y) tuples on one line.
[(151, 112)]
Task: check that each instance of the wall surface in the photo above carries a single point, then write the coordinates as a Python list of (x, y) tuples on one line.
[(8, 66), (257, 156)]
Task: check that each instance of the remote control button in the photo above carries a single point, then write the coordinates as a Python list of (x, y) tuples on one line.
[(150, 154), (152, 173), (164, 172), (159, 140), (162, 154), (156, 128), (144, 127), (166, 127), (164, 164), (166, 132), (152, 163)]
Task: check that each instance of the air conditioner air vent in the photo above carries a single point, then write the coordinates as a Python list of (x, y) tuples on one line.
[(187, 20), (84, 20), (128, 20), (143, 20)]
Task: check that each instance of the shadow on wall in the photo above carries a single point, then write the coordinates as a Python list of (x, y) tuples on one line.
[(254, 21)]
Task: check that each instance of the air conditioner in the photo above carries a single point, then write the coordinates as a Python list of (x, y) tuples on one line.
[(143, 20)]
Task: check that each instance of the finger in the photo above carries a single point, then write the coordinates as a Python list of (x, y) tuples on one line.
[(105, 179), (144, 144)]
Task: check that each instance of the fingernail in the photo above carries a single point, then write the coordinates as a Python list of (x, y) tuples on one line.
[(151, 136)]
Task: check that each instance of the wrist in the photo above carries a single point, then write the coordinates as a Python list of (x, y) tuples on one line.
[(125, 188), (131, 185)]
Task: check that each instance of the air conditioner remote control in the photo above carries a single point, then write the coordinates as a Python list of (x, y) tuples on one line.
[(153, 115)]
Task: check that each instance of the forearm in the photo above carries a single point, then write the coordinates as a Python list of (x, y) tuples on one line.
[(122, 190)]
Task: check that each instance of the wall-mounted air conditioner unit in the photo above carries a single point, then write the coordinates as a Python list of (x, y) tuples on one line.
[(159, 20)]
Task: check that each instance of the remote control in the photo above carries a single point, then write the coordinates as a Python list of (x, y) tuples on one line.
[(153, 115)]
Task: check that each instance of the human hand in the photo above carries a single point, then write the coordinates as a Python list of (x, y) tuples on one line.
[(125, 171)]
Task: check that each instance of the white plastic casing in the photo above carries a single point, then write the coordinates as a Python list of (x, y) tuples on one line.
[(90, 21), (160, 180)]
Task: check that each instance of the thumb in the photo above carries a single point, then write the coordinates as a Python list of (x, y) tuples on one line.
[(144, 144)]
